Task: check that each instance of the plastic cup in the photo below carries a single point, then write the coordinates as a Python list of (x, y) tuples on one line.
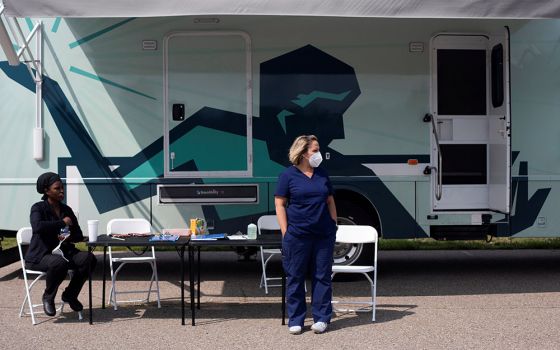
[(92, 230)]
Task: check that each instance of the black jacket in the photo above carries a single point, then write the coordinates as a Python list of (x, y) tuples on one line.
[(46, 228)]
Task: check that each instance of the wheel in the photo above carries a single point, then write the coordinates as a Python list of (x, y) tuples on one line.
[(354, 212)]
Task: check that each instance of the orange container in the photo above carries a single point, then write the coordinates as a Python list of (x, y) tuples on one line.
[(193, 226)]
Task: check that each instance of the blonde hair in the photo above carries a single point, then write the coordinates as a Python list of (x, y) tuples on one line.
[(299, 147)]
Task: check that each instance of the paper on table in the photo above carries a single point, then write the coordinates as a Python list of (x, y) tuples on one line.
[(237, 237)]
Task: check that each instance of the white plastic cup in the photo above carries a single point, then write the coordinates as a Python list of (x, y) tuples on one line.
[(92, 230)]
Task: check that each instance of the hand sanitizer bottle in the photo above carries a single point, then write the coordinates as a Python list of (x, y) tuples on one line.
[(252, 231)]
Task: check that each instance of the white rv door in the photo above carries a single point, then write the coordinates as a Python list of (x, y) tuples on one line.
[(499, 122), (472, 122), (207, 104)]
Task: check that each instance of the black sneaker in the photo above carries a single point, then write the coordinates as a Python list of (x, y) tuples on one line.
[(48, 307), (73, 302)]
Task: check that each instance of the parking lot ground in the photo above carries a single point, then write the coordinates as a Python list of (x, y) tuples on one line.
[(487, 299)]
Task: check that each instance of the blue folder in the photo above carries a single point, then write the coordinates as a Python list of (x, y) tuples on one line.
[(209, 237)]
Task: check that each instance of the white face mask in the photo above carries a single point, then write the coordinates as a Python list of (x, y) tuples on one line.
[(315, 159)]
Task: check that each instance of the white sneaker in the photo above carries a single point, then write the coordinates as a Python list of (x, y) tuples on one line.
[(295, 330), (319, 327)]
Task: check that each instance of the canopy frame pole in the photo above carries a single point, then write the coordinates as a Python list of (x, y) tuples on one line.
[(38, 133), (14, 58), (34, 64), (35, 31), (23, 42)]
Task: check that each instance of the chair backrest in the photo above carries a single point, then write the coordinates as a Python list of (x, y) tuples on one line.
[(356, 234), (23, 237), (268, 222), (129, 226)]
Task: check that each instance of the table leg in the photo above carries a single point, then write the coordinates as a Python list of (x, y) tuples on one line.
[(198, 277), (283, 297), (191, 280), (182, 254), (89, 298), (104, 277)]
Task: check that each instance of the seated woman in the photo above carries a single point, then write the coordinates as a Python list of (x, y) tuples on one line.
[(48, 217)]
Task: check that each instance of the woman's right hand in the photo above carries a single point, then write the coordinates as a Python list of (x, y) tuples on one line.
[(67, 221), (280, 205)]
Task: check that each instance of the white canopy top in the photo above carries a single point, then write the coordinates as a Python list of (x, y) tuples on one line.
[(522, 9)]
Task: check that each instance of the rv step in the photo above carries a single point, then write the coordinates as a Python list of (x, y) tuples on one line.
[(462, 232)]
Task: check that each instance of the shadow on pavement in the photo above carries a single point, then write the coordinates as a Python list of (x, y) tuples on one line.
[(401, 273)]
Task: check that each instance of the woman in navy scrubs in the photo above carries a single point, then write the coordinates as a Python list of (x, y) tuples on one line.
[(306, 213)]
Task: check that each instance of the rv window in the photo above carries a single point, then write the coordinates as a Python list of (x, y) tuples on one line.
[(464, 164), (497, 75), (461, 82)]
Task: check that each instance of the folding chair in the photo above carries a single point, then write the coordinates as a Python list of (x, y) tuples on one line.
[(23, 237), (268, 222), (355, 234), (120, 226)]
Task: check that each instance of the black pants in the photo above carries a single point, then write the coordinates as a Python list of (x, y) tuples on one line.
[(57, 268)]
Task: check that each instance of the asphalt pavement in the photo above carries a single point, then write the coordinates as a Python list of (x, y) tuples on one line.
[(464, 299)]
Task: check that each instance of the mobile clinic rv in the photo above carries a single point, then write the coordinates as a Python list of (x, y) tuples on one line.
[(435, 118)]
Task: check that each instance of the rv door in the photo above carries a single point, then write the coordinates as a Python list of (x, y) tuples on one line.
[(470, 104), (499, 127)]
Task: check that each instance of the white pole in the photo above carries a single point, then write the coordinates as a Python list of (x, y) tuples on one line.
[(38, 134)]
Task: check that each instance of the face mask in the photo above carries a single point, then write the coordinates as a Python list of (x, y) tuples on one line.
[(315, 159)]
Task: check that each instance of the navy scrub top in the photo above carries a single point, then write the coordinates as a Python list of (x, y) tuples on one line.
[(307, 211)]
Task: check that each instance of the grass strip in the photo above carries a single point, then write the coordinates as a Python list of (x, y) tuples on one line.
[(399, 244)]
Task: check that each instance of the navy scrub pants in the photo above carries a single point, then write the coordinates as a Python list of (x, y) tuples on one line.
[(299, 255)]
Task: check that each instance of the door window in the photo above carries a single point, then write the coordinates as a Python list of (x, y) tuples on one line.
[(461, 82)]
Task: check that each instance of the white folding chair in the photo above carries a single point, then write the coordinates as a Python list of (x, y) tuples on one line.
[(268, 222), (356, 234), (120, 226), (23, 237)]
